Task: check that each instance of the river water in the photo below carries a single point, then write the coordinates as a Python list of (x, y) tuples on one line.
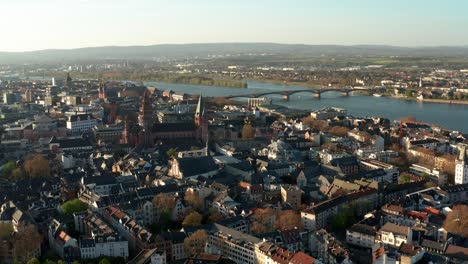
[(450, 116)]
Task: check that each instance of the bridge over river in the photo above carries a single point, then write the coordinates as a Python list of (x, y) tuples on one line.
[(316, 93)]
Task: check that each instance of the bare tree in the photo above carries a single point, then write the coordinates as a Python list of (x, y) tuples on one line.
[(37, 166), (194, 200), (26, 241), (289, 220), (457, 220), (195, 243)]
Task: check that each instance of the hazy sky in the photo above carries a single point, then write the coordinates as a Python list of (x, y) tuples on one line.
[(45, 24)]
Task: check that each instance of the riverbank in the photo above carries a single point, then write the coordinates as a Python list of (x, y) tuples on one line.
[(438, 101), (288, 83)]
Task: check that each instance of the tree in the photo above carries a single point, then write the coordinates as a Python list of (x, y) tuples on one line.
[(104, 261), (192, 219), (317, 125), (17, 174), (288, 220), (457, 220), (34, 261), (409, 93), (73, 206), (339, 131), (259, 228), (6, 229), (215, 217), (8, 168), (265, 220), (404, 177), (346, 216), (248, 132), (408, 119), (26, 240), (37, 166), (448, 164), (399, 162), (163, 201), (195, 243), (171, 152), (194, 200)]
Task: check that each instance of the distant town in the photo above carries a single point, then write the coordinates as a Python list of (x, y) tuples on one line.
[(97, 166)]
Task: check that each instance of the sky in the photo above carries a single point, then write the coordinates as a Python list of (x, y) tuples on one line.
[(49, 24)]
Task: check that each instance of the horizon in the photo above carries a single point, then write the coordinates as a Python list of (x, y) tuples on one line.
[(72, 24), (240, 43)]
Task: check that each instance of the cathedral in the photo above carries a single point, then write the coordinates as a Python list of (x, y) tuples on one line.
[(147, 132)]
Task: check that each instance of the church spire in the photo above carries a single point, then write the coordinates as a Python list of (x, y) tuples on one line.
[(420, 80), (199, 112), (145, 116)]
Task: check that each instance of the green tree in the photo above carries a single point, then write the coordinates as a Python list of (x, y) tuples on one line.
[(404, 178), (409, 93), (171, 152), (73, 206), (192, 219), (8, 168), (104, 261), (34, 261)]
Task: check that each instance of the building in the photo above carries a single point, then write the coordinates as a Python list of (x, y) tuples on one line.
[(150, 256), (108, 133), (328, 113), (361, 235), (394, 235), (410, 254), (107, 245), (150, 133), (434, 174), (391, 172), (233, 244), (172, 244), (101, 185), (145, 115), (29, 95), (291, 194), (62, 243), (138, 237), (81, 123), (70, 144), (10, 98), (461, 167), (316, 217), (183, 168)]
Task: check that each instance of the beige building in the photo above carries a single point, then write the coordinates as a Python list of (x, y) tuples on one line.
[(291, 194), (394, 235)]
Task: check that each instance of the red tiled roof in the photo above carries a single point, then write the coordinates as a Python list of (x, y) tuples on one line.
[(301, 258), (431, 210), (416, 214)]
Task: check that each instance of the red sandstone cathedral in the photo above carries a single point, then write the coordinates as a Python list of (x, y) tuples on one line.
[(147, 132)]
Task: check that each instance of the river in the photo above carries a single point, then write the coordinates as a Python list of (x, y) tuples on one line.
[(450, 116)]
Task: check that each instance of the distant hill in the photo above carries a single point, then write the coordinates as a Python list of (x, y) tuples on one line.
[(176, 51)]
